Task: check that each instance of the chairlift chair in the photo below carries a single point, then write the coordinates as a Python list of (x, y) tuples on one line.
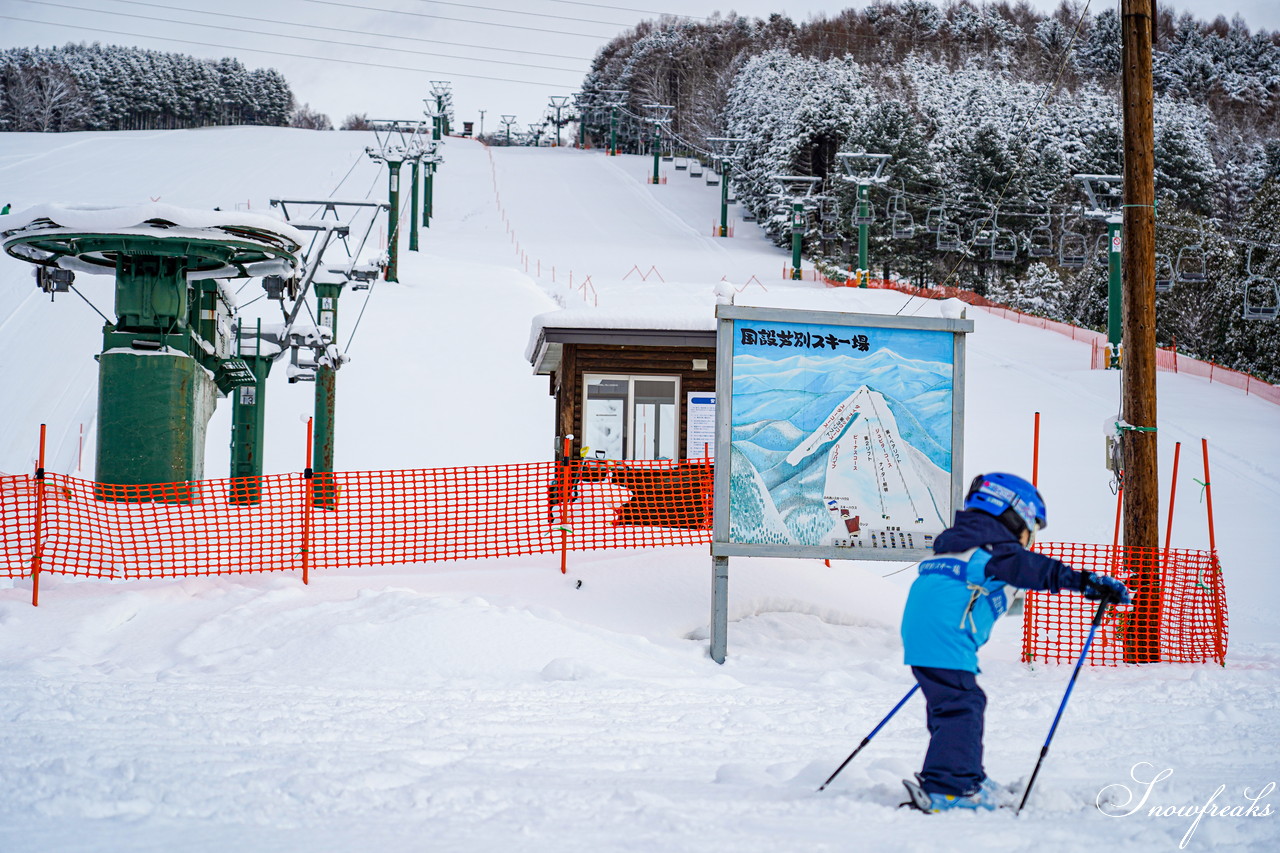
[(1261, 298), (1040, 242), (1073, 250), (682, 163), (695, 168), (1191, 265), (902, 225), (864, 213), (713, 179), (1102, 251), (984, 232), (948, 237), (1004, 246), (934, 219), (1261, 294), (1164, 273)]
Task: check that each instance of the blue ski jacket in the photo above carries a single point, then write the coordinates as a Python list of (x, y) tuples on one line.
[(960, 592)]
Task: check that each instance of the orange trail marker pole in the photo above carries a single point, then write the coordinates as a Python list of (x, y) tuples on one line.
[(1035, 455), (308, 475), (564, 505), (39, 531)]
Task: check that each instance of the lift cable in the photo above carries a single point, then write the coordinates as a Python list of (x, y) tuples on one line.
[(203, 43), (45, 3)]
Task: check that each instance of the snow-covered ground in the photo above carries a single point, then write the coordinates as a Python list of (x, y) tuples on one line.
[(500, 705)]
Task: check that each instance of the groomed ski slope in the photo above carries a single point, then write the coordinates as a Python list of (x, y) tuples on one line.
[(499, 705)]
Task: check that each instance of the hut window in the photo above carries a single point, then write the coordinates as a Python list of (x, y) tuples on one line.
[(630, 417)]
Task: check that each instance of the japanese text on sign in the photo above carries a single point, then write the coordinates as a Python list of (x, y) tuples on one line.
[(802, 340)]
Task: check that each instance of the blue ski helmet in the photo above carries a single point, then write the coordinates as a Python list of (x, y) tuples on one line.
[(1009, 498)]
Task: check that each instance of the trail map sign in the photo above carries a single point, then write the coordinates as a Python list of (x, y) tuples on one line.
[(838, 437), (840, 433)]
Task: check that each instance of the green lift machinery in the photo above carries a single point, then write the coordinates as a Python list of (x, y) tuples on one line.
[(797, 193), (169, 353), (315, 355), (864, 171), (1104, 196)]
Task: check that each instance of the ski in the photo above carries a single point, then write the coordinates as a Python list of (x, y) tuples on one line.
[(917, 798)]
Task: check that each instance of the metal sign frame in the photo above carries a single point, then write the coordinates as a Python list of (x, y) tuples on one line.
[(888, 545)]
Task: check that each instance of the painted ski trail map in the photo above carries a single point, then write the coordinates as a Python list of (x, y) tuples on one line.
[(840, 437)]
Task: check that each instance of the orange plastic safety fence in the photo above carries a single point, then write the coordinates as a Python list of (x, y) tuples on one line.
[(17, 522), (1179, 614), (287, 522)]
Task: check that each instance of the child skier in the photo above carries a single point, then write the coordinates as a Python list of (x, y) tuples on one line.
[(950, 609)]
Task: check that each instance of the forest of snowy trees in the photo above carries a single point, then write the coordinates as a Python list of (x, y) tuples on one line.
[(987, 111), (97, 87)]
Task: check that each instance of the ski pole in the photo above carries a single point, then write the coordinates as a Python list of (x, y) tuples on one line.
[(866, 740), (1044, 750)]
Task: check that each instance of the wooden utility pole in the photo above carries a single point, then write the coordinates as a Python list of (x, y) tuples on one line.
[(1141, 480)]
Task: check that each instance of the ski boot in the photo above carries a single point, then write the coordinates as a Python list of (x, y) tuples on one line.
[(933, 803)]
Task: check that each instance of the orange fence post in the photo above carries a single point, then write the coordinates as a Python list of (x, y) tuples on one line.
[(39, 526), (308, 476), (1035, 455), (1173, 492), (566, 462), (1208, 492), (1115, 540)]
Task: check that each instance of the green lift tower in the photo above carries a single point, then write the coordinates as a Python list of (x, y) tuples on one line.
[(170, 352)]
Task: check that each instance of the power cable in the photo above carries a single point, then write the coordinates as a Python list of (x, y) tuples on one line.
[(280, 52), (367, 9), (45, 3), (627, 9), (359, 157), (522, 12), (358, 32)]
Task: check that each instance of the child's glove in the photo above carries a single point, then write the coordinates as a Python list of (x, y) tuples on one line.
[(1095, 587)]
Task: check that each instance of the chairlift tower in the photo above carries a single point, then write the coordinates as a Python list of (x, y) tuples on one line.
[(1103, 199), (558, 103), (442, 91), (397, 142), (864, 170), (798, 189), (660, 115), (328, 281), (616, 100), (431, 160), (727, 148), (507, 121), (168, 354), (581, 106)]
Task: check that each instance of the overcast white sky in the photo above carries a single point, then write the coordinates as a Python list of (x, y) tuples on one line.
[(379, 57)]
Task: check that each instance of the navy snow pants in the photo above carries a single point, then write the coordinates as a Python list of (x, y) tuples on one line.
[(955, 703)]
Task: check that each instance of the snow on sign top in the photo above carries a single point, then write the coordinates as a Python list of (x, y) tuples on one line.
[(162, 221)]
